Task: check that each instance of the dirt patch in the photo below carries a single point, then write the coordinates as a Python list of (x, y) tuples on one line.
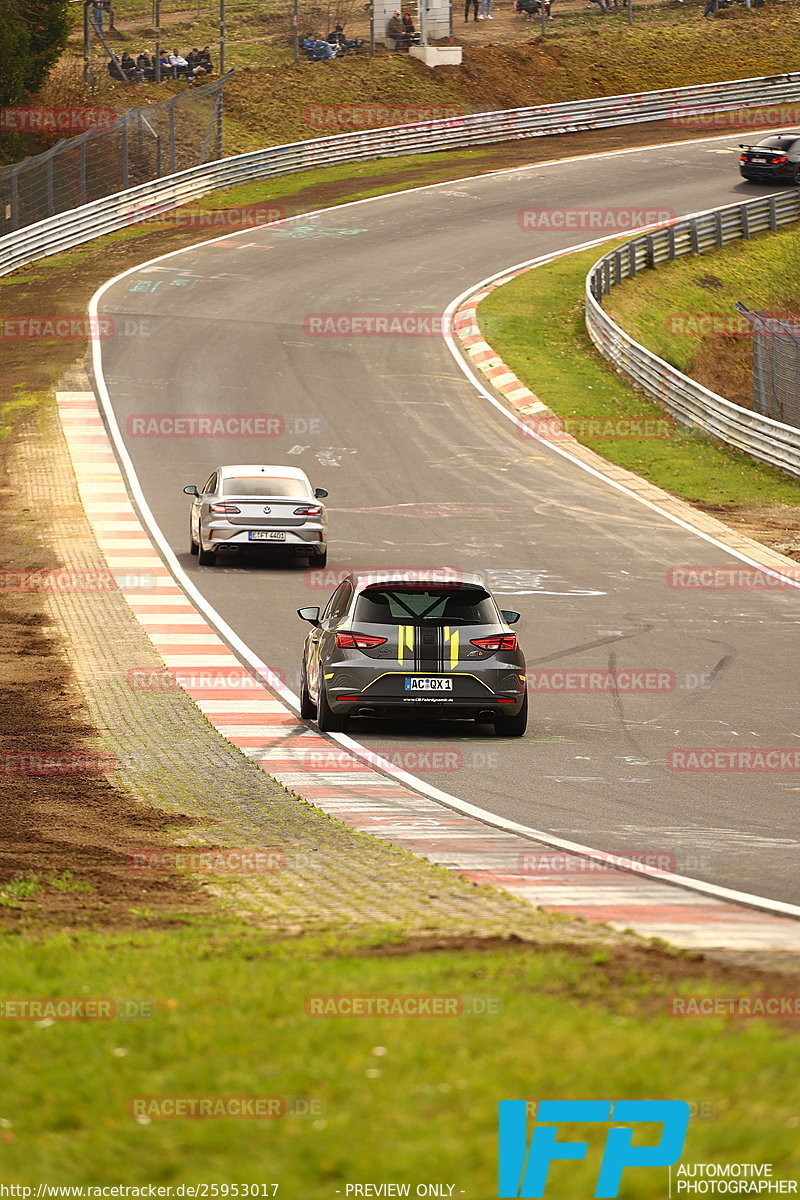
[(725, 365), (777, 526), (616, 966), (68, 833)]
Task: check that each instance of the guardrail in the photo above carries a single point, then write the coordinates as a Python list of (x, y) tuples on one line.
[(123, 208), (688, 401)]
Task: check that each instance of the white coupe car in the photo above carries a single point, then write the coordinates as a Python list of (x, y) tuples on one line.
[(248, 508)]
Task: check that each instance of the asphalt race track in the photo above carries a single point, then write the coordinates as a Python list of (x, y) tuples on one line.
[(422, 471)]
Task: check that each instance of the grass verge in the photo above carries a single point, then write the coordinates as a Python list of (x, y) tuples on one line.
[(536, 324), (669, 310), (408, 1100)]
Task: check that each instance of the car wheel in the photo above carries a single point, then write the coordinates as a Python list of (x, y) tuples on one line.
[(328, 721), (796, 175), (206, 558), (513, 726), (308, 709), (320, 560), (193, 546)]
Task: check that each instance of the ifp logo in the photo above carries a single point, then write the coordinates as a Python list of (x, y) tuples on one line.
[(524, 1168)]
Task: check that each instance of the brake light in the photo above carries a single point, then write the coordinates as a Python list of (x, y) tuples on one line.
[(779, 158), (224, 508), (500, 641), (744, 158), (308, 510), (358, 641)]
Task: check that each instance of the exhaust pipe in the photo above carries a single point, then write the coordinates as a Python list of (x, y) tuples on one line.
[(366, 712), (485, 714)]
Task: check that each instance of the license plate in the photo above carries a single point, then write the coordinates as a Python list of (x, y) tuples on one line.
[(428, 684), (266, 535)]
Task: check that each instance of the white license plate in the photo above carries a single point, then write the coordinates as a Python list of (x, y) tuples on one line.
[(266, 535), (428, 684)]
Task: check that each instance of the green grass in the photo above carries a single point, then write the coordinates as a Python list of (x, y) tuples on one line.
[(14, 893), (405, 1099), (761, 273), (21, 888), (66, 882), (21, 405), (434, 170), (536, 325)]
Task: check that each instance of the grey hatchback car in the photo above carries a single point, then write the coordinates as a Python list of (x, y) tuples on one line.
[(388, 646)]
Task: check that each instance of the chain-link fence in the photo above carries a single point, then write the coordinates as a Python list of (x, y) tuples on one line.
[(776, 365), (140, 145)]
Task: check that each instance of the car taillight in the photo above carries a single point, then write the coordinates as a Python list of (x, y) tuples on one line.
[(744, 158), (501, 641), (308, 510), (779, 158), (358, 641), (224, 508)]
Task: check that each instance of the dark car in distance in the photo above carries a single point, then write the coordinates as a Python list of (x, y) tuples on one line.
[(400, 645), (774, 159)]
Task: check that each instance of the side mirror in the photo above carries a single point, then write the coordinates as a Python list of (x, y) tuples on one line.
[(509, 616), (309, 614), (320, 493), (191, 489)]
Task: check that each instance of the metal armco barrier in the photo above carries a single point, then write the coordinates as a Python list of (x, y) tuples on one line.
[(765, 439), (683, 105)]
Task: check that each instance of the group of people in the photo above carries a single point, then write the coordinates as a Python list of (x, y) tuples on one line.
[(482, 9), (401, 28), (195, 65), (335, 45)]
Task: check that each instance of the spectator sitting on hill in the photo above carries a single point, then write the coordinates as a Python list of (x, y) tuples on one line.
[(337, 38), (395, 29), (146, 65), (205, 60), (167, 70), (318, 50), (178, 63), (129, 68), (409, 29), (194, 63)]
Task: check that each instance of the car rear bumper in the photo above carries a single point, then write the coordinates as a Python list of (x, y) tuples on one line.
[(308, 538), (500, 692), (767, 174), (459, 710)]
